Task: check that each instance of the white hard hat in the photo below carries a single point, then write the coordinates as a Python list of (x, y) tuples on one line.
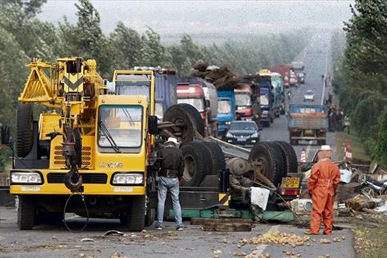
[(325, 148), (172, 140)]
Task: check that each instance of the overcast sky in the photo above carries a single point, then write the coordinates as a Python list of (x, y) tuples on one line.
[(176, 17)]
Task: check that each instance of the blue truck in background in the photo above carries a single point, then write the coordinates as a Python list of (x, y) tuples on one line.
[(270, 98), (165, 86), (226, 110)]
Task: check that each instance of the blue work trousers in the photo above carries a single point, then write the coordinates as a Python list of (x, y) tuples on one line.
[(166, 185)]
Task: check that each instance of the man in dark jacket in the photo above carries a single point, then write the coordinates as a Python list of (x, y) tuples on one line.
[(171, 166)]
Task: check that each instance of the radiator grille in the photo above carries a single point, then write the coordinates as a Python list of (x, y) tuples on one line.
[(59, 159), (88, 178)]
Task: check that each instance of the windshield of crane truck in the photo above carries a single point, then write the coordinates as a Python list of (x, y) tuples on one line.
[(133, 88), (133, 85), (120, 127), (242, 100), (224, 106), (198, 103)]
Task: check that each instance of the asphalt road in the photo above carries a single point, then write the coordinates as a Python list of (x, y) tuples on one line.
[(317, 63), (54, 241)]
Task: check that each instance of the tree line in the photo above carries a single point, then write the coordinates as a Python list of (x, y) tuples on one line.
[(361, 73), (24, 36)]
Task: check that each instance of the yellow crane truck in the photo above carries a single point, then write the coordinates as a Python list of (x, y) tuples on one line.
[(87, 142)]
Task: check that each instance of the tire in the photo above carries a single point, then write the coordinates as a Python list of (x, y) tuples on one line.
[(291, 163), (26, 213), (217, 157), (197, 163), (24, 130), (190, 118), (272, 161), (134, 218), (280, 159), (369, 192), (150, 217)]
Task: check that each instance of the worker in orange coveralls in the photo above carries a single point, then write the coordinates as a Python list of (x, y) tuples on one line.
[(322, 184)]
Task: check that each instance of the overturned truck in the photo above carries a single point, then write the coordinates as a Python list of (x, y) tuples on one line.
[(219, 177)]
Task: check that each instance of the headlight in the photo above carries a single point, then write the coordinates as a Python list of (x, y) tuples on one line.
[(228, 123), (254, 135), (128, 179), (228, 134), (26, 178)]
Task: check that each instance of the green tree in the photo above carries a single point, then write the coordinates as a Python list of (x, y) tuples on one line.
[(361, 76), (85, 39), (126, 45), (153, 53)]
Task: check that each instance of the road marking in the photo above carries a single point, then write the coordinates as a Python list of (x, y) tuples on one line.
[(261, 248)]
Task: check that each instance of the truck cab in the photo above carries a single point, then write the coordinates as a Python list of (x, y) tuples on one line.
[(278, 92), (135, 83), (193, 94), (308, 122), (243, 102), (226, 110), (266, 97)]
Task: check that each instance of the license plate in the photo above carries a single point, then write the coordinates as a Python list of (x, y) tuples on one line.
[(290, 182), (241, 140)]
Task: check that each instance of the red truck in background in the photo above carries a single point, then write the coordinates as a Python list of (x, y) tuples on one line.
[(285, 70), (243, 102), (200, 94)]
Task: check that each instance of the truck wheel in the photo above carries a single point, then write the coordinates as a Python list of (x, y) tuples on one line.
[(290, 157), (270, 159), (280, 160), (187, 119), (197, 163), (134, 218), (24, 130), (217, 157), (26, 213), (150, 217)]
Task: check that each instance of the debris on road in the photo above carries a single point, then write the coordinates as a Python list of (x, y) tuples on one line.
[(359, 202), (277, 238), (325, 241), (113, 233), (86, 239)]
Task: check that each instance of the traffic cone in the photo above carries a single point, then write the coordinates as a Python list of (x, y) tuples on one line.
[(303, 156)]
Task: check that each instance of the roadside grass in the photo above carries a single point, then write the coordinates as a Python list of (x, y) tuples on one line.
[(371, 242), (358, 149)]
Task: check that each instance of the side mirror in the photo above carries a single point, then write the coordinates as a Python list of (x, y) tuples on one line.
[(152, 125), (5, 137)]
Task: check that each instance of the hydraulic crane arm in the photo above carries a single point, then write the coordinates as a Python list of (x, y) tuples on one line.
[(39, 87)]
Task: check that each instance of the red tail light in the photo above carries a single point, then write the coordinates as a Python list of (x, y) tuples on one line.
[(290, 192)]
